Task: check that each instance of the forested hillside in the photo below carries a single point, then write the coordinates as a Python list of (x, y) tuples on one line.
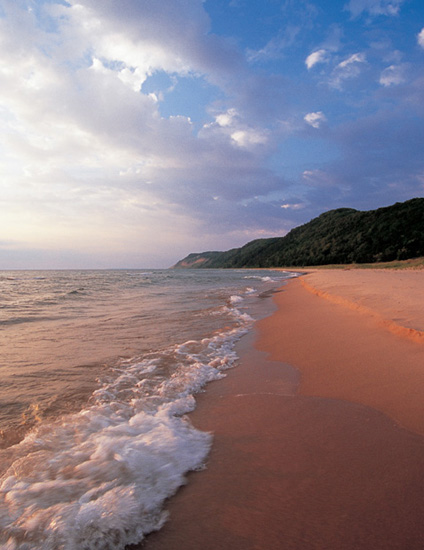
[(339, 236)]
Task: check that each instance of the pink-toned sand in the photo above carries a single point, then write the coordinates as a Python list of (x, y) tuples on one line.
[(373, 354), (333, 462), (395, 299)]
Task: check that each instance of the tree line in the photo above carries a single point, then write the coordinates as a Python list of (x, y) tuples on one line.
[(341, 236)]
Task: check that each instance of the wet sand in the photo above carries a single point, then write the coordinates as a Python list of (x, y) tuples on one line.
[(328, 455)]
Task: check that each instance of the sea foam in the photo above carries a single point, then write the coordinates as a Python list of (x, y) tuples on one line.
[(98, 479)]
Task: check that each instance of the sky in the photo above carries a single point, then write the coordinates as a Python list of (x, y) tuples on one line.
[(133, 132)]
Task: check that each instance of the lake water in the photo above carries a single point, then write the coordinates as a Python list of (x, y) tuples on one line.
[(98, 370)]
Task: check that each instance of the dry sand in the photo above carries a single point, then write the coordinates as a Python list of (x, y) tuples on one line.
[(394, 299), (364, 342), (335, 463)]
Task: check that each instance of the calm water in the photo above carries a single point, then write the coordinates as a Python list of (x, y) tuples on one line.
[(97, 371)]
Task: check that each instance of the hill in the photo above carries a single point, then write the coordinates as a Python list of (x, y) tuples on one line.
[(339, 236)]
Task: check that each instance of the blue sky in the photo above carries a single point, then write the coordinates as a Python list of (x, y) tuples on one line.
[(134, 132)]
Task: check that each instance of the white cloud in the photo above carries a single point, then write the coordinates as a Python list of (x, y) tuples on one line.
[(293, 206), (319, 56), (84, 151), (227, 118), (392, 76), (347, 69), (420, 38), (315, 119), (355, 58), (229, 126), (90, 153), (249, 137), (374, 7)]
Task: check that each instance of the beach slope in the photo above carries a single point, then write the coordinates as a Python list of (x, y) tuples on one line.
[(329, 454)]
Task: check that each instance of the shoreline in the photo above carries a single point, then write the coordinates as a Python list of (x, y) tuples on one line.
[(310, 466)]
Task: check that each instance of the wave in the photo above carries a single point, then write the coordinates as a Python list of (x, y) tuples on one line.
[(262, 278), (235, 299), (75, 292), (99, 478)]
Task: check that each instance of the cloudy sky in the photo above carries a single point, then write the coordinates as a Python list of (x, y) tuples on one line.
[(133, 132)]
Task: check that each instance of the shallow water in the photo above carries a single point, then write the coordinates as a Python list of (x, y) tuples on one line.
[(98, 370)]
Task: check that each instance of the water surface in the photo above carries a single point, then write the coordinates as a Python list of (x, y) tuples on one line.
[(98, 369)]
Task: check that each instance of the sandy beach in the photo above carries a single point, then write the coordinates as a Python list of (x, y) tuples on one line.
[(318, 434)]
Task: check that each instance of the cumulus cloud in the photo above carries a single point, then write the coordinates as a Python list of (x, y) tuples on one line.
[(420, 38), (227, 118), (230, 125), (315, 119), (374, 7), (347, 69), (88, 152), (96, 143), (248, 138), (319, 56)]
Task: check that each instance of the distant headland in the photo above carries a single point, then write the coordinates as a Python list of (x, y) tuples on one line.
[(341, 236)]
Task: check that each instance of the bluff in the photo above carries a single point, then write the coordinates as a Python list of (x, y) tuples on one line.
[(339, 236)]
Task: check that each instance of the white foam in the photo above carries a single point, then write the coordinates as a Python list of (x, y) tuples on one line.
[(264, 279), (98, 481), (99, 478)]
